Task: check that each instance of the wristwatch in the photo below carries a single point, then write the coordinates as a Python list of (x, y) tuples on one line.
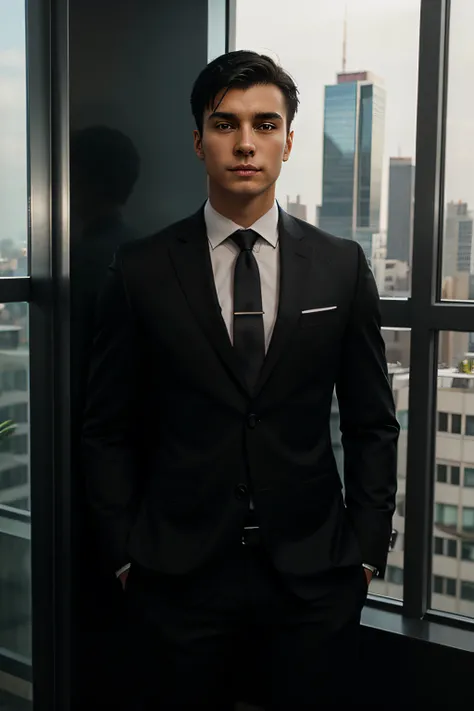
[(373, 570)]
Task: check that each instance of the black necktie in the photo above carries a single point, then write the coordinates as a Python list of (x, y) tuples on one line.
[(249, 335)]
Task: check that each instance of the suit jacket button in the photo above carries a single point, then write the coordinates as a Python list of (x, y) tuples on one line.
[(241, 492), (252, 421)]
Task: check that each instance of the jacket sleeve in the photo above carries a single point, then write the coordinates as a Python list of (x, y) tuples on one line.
[(109, 432), (368, 423)]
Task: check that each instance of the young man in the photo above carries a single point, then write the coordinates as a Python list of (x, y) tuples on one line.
[(207, 442)]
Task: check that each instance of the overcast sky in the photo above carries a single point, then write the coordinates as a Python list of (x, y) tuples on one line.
[(305, 36)]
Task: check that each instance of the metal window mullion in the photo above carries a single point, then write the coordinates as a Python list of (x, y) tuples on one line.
[(15, 289), (431, 111)]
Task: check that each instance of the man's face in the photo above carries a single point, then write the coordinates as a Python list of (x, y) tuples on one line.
[(245, 140)]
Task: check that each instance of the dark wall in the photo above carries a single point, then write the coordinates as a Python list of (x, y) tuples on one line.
[(132, 65)]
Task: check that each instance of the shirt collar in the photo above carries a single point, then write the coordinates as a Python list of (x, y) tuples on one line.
[(219, 228)]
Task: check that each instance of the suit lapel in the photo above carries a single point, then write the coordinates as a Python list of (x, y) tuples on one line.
[(192, 262), (295, 262)]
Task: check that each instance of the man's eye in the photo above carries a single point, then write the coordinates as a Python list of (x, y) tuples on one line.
[(223, 126), (267, 126)]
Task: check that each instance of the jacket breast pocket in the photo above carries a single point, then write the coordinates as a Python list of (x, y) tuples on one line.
[(319, 317)]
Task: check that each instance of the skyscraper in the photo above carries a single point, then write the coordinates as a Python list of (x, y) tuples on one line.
[(401, 192), (458, 252), (354, 117)]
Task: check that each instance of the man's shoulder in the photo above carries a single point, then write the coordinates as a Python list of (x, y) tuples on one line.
[(329, 245), (145, 247)]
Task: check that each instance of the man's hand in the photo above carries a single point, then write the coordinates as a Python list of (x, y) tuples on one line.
[(123, 578), (368, 575)]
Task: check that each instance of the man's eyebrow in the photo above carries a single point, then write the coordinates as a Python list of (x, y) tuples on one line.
[(262, 115)]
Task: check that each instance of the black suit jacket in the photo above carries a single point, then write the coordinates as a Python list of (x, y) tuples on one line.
[(173, 438)]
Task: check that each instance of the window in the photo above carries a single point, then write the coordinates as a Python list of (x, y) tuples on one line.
[(467, 551), (470, 425), (446, 515), (451, 548), (398, 357), (451, 587), (444, 586), (455, 476), (469, 476), (361, 188), (395, 575), (467, 591), (402, 416), (438, 584), (468, 519), (441, 473), (456, 424), (442, 421), (445, 546)]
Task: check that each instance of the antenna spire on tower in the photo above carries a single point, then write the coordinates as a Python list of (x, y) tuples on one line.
[(344, 42)]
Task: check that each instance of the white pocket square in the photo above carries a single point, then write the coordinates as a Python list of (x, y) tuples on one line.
[(315, 311)]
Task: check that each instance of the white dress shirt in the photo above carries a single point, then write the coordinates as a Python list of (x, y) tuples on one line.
[(224, 253)]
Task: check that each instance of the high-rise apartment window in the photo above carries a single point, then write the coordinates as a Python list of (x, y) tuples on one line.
[(438, 546), (470, 425), (468, 518), (442, 421), (455, 475), (441, 473), (445, 546), (456, 424), (467, 551), (446, 515), (451, 548), (438, 584), (451, 587), (467, 590), (469, 476), (395, 575), (402, 416)]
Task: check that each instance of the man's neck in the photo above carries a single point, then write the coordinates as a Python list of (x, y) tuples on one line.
[(243, 212)]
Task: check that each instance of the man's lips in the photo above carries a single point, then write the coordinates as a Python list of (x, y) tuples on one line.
[(245, 169)]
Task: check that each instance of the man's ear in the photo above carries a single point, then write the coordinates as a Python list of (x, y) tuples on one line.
[(198, 145), (288, 146)]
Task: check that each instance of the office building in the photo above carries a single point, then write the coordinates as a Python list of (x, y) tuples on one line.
[(354, 117), (400, 209), (458, 254), (296, 209)]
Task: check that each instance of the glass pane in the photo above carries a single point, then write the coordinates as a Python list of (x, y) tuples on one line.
[(454, 497), (441, 473), (455, 476), (456, 424), (397, 345), (352, 169), (13, 141), (458, 254), (399, 375), (468, 476), (15, 590)]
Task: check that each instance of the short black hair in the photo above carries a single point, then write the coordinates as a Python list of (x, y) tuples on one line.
[(106, 161), (241, 69)]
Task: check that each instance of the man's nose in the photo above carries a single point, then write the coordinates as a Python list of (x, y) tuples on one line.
[(245, 144)]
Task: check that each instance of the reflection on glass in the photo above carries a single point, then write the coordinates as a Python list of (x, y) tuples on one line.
[(13, 141), (352, 170), (453, 516), (458, 253), (15, 590), (397, 345)]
